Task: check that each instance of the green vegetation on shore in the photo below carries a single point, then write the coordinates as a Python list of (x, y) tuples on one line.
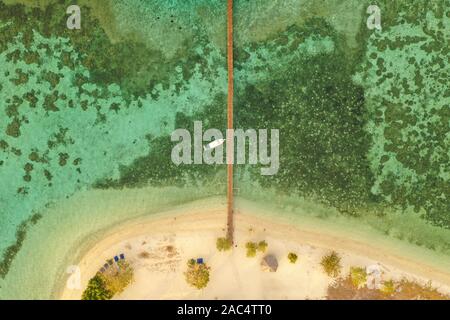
[(358, 276), (97, 290), (253, 248), (292, 257), (197, 274), (224, 244), (104, 286), (331, 264), (344, 289)]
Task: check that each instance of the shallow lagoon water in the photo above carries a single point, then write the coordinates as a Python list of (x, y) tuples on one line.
[(79, 116)]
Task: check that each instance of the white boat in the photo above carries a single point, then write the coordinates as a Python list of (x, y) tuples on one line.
[(214, 144)]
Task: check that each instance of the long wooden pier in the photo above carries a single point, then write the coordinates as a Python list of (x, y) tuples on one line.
[(230, 207)]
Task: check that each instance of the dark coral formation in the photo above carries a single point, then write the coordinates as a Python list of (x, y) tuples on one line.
[(11, 251)]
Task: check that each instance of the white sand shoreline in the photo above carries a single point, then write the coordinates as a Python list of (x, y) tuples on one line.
[(192, 229)]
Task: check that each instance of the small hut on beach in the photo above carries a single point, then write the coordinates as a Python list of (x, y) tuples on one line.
[(269, 263)]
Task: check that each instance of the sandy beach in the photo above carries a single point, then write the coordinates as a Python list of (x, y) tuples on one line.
[(158, 248)]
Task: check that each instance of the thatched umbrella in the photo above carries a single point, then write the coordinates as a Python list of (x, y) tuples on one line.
[(269, 263)]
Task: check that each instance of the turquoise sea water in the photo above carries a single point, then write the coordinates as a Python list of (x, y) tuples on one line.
[(363, 115)]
